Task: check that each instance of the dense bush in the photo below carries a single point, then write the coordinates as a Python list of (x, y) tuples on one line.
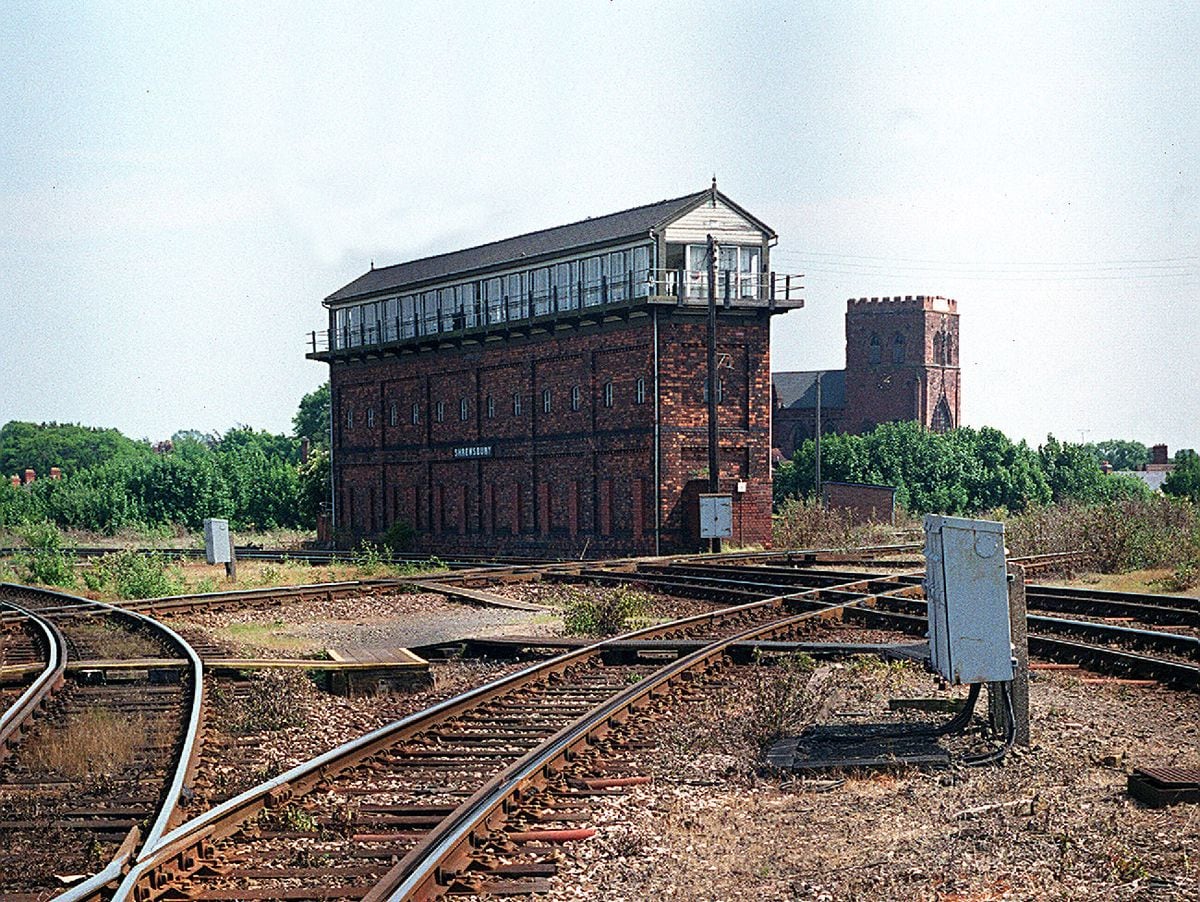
[(48, 560), (128, 574), (603, 612), (251, 478), (805, 523), (960, 472), (1129, 534)]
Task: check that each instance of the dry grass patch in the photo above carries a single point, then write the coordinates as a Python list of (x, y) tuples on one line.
[(100, 743), (110, 641), (1160, 581), (276, 637)]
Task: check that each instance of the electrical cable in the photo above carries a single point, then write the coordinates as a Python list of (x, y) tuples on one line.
[(1010, 733)]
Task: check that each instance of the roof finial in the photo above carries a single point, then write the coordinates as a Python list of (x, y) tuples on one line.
[(714, 190), (372, 263)]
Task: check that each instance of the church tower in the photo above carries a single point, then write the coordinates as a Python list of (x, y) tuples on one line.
[(902, 362)]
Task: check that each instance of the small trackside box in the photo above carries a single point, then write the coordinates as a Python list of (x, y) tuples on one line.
[(216, 541), (966, 584)]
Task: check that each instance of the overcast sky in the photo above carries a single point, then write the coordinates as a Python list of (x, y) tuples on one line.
[(182, 184)]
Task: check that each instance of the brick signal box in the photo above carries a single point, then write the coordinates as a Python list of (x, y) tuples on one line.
[(546, 394)]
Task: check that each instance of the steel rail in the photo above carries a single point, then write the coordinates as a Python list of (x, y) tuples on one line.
[(1175, 673), (51, 678), (180, 847), (189, 748), (415, 877)]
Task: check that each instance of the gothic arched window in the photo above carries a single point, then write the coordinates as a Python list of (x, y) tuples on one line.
[(874, 351), (939, 349), (942, 420), (898, 348)]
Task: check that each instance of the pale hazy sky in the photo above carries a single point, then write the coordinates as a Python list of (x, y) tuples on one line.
[(183, 183)]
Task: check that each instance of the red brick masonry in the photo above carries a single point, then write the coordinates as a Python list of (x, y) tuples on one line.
[(555, 453)]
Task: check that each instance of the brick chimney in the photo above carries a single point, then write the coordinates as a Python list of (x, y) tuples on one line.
[(30, 475), (55, 473), (1158, 455), (15, 480), (1106, 467)]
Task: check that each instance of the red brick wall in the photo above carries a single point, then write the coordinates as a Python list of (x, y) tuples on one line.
[(885, 390), (866, 503), (558, 481)]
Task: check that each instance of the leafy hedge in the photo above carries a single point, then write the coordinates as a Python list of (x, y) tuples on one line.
[(252, 478), (962, 471)]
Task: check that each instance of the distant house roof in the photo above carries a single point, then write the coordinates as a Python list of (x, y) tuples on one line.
[(1152, 478), (613, 228), (799, 390)]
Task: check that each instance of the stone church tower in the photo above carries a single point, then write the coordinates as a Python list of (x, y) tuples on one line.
[(902, 362)]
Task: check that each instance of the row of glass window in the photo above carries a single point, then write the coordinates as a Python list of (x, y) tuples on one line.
[(570, 285), (575, 400)]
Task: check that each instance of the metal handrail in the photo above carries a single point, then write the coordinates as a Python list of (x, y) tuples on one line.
[(734, 287)]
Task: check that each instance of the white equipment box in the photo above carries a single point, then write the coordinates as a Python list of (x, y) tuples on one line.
[(216, 541), (716, 516), (966, 583)]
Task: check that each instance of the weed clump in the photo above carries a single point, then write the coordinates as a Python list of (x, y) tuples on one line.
[(130, 574), (48, 560), (275, 701), (781, 700), (603, 613)]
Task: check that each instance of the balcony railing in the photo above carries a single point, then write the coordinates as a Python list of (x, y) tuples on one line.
[(759, 289), (487, 314)]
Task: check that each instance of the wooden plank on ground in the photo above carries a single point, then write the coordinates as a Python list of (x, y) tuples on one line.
[(476, 596)]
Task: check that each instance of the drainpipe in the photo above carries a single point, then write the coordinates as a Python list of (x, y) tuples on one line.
[(657, 431), (332, 479)]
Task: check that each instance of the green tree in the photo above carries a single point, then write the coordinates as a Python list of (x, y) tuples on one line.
[(1072, 472), (314, 484), (1121, 454), (70, 447), (1184, 480), (312, 418)]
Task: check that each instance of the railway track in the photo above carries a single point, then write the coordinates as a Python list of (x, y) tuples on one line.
[(1139, 651), (33, 660), (333, 827), (98, 775), (467, 794)]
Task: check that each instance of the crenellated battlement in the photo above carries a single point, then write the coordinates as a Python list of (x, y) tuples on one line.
[(935, 303)]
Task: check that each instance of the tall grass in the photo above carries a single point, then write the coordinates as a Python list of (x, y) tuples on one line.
[(1125, 535), (801, 523)]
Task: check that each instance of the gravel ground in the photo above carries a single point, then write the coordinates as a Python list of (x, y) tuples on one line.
[(246, 744), (298, 628), (1052, 822), (712, 827)]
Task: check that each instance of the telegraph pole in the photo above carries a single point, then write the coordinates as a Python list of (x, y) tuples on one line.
[(713, 459), (817, 439)]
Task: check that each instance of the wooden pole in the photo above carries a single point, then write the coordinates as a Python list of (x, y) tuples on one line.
[(713, 456)]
